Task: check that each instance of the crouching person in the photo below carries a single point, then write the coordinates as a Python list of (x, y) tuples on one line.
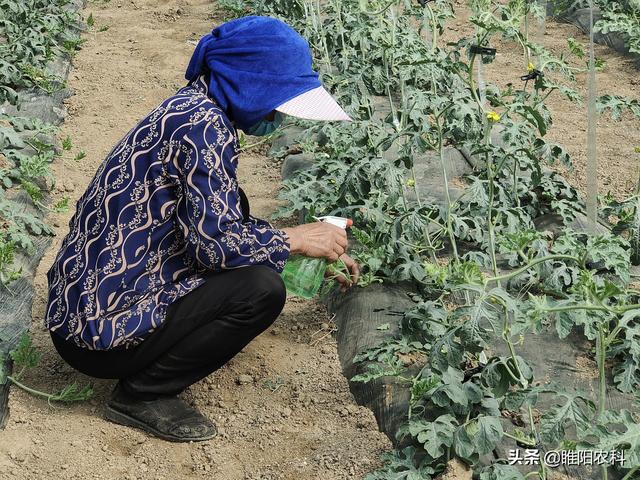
[(164, 275)]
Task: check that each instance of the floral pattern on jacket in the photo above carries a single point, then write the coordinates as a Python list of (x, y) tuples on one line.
[(162, 210)]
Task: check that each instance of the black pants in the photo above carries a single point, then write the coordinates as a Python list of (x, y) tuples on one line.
[(202, 331)]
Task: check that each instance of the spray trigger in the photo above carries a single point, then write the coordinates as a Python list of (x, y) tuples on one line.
[(341, 222)]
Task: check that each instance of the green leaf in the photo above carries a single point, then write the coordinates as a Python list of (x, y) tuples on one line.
[(617, 105), (73, 393), (575, 47), (611, 251), (451, 391), (533, 116), (499, 374), (436, 435), (376, 370), (447, 351), (627, 375), (401, 465), (576, 411), (463, 444), (566, 320), (66, 143), (623, 435), (25, 354), (486, 432), (501, 472)]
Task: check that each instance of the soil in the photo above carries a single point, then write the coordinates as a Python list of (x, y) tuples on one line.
[(586, 368), (456, 470), (282, 407)]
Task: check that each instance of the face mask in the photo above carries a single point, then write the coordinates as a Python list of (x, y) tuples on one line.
[(265, 127)]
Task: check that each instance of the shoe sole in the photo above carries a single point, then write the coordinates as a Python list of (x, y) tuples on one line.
[(128, 421)]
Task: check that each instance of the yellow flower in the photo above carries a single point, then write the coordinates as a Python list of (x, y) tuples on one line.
[(637, 149), (411, 182), (530, 67), (493, 117)]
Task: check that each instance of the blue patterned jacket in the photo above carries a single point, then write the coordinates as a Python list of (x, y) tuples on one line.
[(162, 210)]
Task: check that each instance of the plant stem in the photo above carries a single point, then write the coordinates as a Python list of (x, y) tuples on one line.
[(533, 263), (492, 241), (629, 475), (534, 430), (528, 443), (427, 235), (516, 166), (512, 352), (18, 375), (506, 336), (527, 53), (434, 28), (257, 144), (613, 335), (601, 349), (323, 37), (338, 8), (392, 14), (594, 308), (472, 84), (382, 10), (452, 237), (50, 397)]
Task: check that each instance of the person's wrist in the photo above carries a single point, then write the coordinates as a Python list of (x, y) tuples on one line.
[(294, 240)]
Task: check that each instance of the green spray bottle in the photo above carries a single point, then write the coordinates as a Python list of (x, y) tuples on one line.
[(303, 275)]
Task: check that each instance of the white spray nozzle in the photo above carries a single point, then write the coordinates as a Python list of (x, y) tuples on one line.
[(341, 222)]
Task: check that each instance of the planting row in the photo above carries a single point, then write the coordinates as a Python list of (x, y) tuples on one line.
[(614, 23), (37, 40), (452, 192)]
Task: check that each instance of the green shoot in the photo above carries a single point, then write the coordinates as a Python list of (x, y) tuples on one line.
[(25, 356), (67, 144), (61, 206)]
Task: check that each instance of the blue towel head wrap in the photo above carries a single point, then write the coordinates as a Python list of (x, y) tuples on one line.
[(254, 65)]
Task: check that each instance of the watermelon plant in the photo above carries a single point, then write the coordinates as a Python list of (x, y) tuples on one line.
[(485, 279), (25, 357)]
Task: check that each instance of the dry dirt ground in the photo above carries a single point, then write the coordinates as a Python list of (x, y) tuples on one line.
[(294, 418), (282, 407)]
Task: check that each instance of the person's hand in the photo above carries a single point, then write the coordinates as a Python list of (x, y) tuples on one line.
[(339, 275), (317, 240)]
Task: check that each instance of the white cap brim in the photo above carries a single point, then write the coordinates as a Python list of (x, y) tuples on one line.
[(316, 104)]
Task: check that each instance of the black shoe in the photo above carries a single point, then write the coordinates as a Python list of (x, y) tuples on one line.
[(167, 417)]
